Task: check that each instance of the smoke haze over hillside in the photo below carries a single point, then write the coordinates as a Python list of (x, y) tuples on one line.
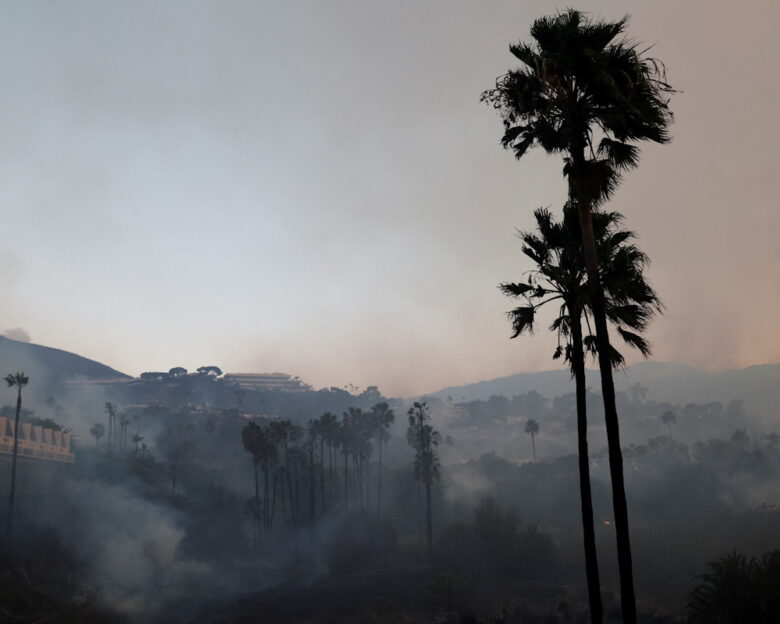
[(194, 183)]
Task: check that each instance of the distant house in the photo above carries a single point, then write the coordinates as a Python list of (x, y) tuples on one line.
[(281, 382), (35, 442)]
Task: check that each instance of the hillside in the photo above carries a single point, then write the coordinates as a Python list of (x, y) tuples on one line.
[(48, 366), (758, 386)]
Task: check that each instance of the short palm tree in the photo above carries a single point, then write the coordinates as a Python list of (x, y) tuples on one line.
[(532, 428), (560, 275), (18, 381), (97, 431), (589, 95)]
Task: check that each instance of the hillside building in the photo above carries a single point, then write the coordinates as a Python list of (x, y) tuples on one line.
[(35, 442), (265, 382)]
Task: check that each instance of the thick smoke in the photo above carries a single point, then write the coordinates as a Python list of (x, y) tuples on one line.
[(17, 333)]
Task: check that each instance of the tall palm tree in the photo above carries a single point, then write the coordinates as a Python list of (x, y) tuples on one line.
[(424, 439), (560, 275), (348, 430), (111, 418), (311, 443), (287, 433), (18, 381), (383, 417), (532, 428), (252, 439), (580, 83), (124, 421), (329, 430)]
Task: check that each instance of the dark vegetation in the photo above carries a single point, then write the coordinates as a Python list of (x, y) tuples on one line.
[(185, 525)]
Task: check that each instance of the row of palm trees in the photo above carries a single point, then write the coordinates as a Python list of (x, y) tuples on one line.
[(289, 456), (586, 93), (118, 424)]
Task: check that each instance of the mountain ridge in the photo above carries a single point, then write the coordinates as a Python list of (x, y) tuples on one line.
[(758, 385), (51, 365)]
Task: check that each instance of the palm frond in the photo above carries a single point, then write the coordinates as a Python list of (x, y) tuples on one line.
[(522, 319), (515, 289)]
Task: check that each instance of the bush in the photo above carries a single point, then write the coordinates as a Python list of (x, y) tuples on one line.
[(738, 590)]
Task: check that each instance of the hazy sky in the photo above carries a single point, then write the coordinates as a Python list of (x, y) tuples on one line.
[(314, 187)]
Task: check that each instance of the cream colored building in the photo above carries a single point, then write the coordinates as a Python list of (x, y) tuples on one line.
[(267, 381), (35, 442)]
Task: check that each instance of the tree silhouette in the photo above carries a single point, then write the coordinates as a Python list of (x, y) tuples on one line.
[(124, 421), (668, 418), (97, 431), (383, 418), (738, 590), (252, 439), (424, 439), (532, 428), (329, 432), (579, 82), (285, 434), (111, 425), (560, 275), (16, 380), (213, 371)]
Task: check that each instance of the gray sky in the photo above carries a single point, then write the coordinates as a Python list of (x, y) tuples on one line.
[(314, 187)]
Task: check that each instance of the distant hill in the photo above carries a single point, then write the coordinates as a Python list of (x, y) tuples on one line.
[(49, 367), (758, 386)]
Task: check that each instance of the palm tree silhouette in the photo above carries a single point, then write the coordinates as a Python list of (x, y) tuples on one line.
[(424, 439), (383, 417), (252, 439), (97, 431), (18, 381), (579, 82), (532, 428), (560, 275)]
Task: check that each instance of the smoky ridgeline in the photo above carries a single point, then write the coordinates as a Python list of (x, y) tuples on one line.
[(196, 512)]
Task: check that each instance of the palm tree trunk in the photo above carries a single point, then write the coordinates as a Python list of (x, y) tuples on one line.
[(257, 506), (368, 482), (12, 495), (586, 500), (289, 483), (322, 474), (312, 482), (428, 519), (296, 504), (346, 491), (257, 484), (273, 501), (332, 471), (619, 504), (266, 515), (533, 445), (379, 483)]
